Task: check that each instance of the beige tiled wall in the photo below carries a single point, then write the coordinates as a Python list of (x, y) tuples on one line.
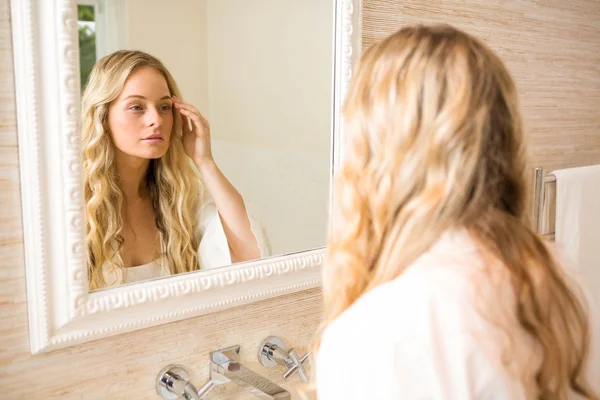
[(551, 47)]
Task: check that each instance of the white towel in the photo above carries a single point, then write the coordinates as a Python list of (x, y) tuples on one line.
[(578, 236)]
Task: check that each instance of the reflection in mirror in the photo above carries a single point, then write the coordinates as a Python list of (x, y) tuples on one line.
[(206, 132)]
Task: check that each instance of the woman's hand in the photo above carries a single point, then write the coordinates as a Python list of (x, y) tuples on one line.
[(196, 141), (242, 243)]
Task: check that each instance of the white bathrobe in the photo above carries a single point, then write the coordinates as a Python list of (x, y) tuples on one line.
[(444, 329)]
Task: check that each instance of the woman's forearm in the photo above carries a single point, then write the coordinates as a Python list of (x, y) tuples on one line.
[(232, 211)]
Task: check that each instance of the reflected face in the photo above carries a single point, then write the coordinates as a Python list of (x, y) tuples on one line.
[(141, 118)]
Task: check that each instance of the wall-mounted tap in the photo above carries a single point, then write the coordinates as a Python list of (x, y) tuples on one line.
[(173, 381), (226, 368), (272, 352)]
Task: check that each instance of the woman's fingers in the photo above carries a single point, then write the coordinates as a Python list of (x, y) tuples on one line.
[(180, 105), (193, 116), (197, 119), (188, 107), (184, 117), (185, 106)]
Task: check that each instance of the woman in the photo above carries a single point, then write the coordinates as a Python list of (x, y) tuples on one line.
[(143, 148), (435, 286)]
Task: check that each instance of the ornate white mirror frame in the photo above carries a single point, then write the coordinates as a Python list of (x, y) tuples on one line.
[(61, 310)]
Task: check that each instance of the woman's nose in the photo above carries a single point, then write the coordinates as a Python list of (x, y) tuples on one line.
[(153, 117)]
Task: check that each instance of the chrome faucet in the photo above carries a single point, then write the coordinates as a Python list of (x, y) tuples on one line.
[(272, 352), (225, 367), (173, 381)]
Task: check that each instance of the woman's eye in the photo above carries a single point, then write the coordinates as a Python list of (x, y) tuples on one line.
[(165, 107), (135, 108)]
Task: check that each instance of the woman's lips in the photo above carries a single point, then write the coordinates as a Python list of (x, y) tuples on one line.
[(153, 139)]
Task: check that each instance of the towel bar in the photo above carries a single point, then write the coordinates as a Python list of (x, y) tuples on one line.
[(540, 193)]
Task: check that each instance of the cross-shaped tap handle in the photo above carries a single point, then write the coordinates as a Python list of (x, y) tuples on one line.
[(272, 352), (296, 364)]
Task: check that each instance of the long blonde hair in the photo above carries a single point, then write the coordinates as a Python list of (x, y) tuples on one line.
[(435, 142), (172, 182)]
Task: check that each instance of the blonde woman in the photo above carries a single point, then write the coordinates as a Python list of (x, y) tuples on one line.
[(435, 286), (156, 202)]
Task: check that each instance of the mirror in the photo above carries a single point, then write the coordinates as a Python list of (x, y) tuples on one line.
[(62, 310), (260, 72)]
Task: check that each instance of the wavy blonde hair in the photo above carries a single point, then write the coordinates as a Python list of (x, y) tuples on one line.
[(435, 142), (172, 182)]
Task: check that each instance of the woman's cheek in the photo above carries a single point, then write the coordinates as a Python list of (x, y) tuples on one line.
[(124, 127)]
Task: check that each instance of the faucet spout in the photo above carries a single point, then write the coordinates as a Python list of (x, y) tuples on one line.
[(225, 367)]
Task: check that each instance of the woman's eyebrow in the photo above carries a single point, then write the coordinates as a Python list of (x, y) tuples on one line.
[(142, 97)]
